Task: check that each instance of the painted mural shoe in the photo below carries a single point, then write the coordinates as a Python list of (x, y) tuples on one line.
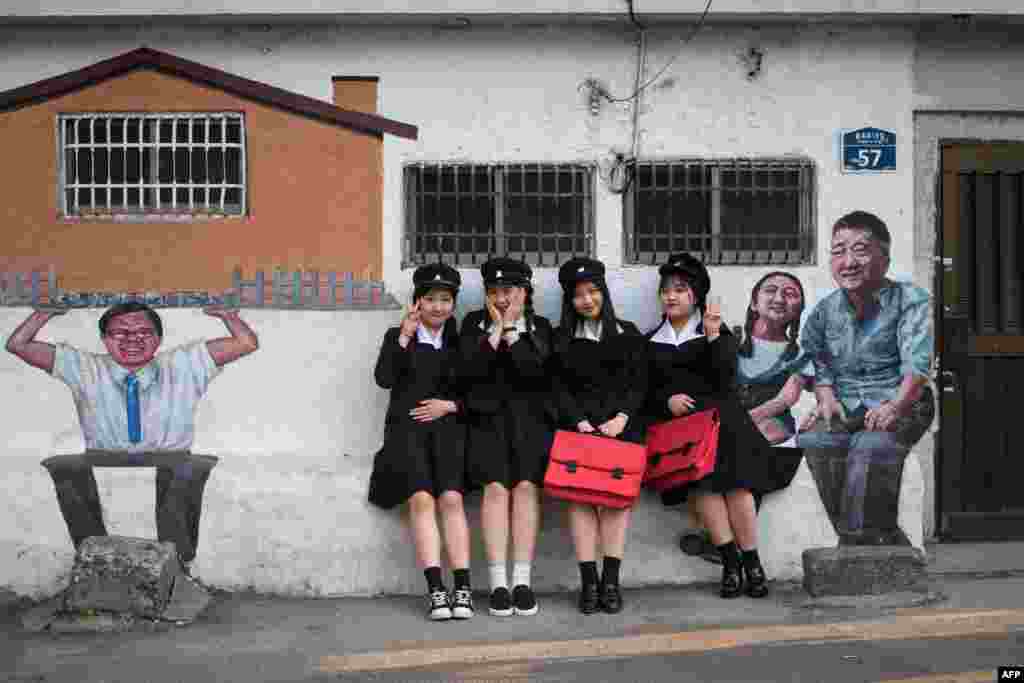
[(501, 603), (523, 601), (611, 598), (698, 544), (462, 603), (440, 608), (590, 600), (732, 582), (757, 582)]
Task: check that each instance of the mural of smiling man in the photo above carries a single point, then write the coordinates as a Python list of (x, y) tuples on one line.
[(870, 342), (135, 406)]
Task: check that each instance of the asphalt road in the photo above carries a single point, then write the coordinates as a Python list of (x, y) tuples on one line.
[(664, 635)]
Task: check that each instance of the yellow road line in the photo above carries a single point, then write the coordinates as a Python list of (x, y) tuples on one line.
[(906, 625), (986, 676)]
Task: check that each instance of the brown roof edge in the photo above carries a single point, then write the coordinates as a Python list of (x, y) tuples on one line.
[(375, 79), (147, 58)]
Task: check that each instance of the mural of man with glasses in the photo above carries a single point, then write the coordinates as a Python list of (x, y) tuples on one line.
[(871, 344), (135, 407)]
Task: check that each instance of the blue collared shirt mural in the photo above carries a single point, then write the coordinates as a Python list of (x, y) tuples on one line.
[(865, 361)]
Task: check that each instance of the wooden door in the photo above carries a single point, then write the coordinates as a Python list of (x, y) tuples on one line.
[(980, 341)]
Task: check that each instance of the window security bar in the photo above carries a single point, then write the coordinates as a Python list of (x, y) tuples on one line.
[(465, 213), (731, 211), (152, 164)]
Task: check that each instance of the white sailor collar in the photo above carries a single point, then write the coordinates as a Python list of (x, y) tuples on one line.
[(423, 336), (592, 329), (589, 329), (666, 334)]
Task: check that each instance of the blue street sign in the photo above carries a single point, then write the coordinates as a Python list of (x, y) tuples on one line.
[(869, 150)]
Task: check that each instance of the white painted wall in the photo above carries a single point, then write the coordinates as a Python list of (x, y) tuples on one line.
[(285, 508)]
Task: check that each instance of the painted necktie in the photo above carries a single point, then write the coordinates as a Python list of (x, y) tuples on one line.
[(134, 422)]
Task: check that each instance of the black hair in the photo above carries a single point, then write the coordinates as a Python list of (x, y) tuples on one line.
[(863, 220), (450, 331), (570, 318), (131, 307), (698, 301), (792, 329)]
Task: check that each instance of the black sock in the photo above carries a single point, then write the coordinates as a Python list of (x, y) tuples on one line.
[(433, 575), (750, 558), (461, 578), (730, 555), (610, 571), (588, 573)]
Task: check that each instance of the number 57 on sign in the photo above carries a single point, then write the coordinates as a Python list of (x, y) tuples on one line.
[(868, 150)]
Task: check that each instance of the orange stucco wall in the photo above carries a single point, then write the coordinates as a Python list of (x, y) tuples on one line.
[(314, 197)]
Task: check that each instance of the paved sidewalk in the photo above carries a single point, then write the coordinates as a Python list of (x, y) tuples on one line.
[(254, 638)]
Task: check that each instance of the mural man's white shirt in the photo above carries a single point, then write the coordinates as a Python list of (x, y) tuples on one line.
[(170, 388)]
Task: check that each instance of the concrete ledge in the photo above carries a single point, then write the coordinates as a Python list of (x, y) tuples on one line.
[(863, 570), (299, 525)]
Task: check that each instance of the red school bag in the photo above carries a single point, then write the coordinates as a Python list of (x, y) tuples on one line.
[(681, 450), (595, 470)]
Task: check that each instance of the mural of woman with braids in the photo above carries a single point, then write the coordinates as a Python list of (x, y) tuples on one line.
[(771, 373)]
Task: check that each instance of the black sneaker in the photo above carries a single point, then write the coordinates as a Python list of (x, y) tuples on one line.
[(462, 603), (501, 602), (440, 608), (525, 604)]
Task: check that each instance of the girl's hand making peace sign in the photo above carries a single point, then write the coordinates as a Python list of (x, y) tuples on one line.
[(713, 319), (410, 323)]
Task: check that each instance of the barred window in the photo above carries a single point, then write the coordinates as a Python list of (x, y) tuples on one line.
[(734, 211), (465, 213), (152, 165)]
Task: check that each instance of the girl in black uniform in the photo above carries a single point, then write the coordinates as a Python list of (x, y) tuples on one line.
[(600, 377), (508, 408), (693, 368), (423, 458)]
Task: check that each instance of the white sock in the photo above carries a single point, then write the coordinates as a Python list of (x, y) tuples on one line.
[(499, 579), (521, 573)]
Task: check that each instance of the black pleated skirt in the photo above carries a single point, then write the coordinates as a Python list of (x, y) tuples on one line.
[(744, 460), (507, 447), (419, 457)]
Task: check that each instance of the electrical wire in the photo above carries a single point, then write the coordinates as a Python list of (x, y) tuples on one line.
[(652, 80)]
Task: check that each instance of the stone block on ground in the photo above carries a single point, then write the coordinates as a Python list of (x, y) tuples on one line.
[(123, 575), (863, 570)]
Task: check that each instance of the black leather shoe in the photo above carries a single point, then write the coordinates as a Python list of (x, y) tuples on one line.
[(611, 598), (757, 582), (590, 601), (732, 582)]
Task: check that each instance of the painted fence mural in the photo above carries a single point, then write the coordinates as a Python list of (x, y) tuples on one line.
[(282, 289)]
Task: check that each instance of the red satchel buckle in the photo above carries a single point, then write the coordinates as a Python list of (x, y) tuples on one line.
[(570, 467)]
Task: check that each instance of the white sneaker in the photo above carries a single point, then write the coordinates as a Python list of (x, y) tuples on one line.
[(439, 605)]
